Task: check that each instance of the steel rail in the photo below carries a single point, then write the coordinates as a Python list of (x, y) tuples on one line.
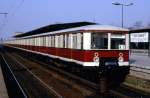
[(23, 92), (35, 76), (69, 75), (88, 83), (140, 69), (83, 81), (119, 94)]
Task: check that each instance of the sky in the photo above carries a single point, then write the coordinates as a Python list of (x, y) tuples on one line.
[(26, 15)]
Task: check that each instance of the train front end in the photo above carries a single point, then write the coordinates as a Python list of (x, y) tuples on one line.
[(108, 52)]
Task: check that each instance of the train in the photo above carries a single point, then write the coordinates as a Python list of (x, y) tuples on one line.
[(84, 44)]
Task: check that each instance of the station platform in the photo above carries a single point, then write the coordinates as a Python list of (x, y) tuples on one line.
[(140, 60), (139, 76), (140, 65), (3, 90)]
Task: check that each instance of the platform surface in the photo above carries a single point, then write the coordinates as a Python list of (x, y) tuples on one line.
[(140, 60), (3, 90)]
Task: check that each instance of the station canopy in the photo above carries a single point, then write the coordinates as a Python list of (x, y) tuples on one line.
[(139, 35), (138, 30), (53, 27)]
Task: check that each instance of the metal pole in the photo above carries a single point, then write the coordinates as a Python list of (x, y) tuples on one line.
[(122, 15), (122, 5), (148, 44)]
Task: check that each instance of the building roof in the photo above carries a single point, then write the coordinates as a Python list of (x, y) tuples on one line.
[(138, 30), (54, 27)]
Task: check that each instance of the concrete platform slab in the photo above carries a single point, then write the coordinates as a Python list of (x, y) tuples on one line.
[(3, 90), (138, 60)]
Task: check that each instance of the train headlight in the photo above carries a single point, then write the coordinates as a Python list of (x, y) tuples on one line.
[(120, 59)]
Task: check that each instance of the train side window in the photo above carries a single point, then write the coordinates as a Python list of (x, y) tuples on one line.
[(99, 41), (61, 42), (41, 40), (74, 41), (25, 42), (49, 41), (70, 41), (57, 41), (38, 41), (33, 41), (28, 41), (44, 41), (79, 40), (53, 41), (66, 40)]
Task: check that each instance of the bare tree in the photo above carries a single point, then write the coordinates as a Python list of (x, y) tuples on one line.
[(148, 25), (138, 24)]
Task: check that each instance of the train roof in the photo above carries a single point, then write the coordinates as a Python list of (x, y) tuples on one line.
[(102, 27), (80, 28), (54, 27)]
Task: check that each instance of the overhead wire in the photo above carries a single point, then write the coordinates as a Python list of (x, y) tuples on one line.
[(18, 7), (5, 20)]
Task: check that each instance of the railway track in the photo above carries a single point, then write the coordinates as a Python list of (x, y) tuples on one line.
[(13, 86), (31, 84), (82, 87), (121, 92), (47, 77), (140, 69)]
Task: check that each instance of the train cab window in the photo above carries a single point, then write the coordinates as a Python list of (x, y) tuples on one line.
[(117, 41), (99, 41)]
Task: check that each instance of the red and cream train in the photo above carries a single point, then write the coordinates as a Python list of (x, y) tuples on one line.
[(86, 45)]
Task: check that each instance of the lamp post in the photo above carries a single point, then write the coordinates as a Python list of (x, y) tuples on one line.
[(122, 6)]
